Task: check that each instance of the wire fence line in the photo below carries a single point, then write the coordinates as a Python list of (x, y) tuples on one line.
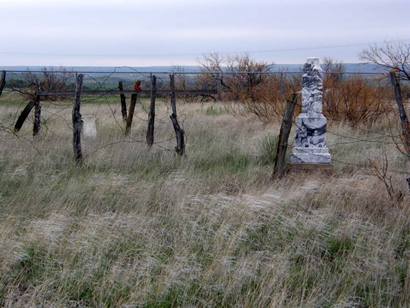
[(206, 84), (100, 93), (184, 72), (104, 88)]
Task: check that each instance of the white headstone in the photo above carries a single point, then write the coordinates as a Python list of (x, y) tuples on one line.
[(310, 144), (89, 126)]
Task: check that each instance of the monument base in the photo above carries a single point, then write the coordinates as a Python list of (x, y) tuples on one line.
[(313, 155), (326, 169)]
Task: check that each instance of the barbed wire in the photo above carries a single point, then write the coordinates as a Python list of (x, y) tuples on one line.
[(357, 139), (202, 72)]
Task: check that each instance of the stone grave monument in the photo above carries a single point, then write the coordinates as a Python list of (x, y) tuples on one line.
[(310, 144)]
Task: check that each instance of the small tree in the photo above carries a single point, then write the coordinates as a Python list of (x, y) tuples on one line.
[(239, 76), (396, 58), (391, 56), (52, 83)]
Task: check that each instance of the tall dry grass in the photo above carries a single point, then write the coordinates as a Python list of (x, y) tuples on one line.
[(147, 228)]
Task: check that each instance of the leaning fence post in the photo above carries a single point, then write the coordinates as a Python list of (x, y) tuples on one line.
[(23, 116), (173, 94), (2, 81), (405, 124), (131, 111), (123, 101), (218, 87), (151, 114), (179, 132), (77, 121), (37, 114), (280, 161)]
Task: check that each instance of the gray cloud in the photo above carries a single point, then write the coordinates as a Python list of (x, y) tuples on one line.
[(159, 32)]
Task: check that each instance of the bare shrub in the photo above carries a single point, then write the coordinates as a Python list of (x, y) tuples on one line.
[(395, 57), (381, 171), (239, 76), (249, 83), (272, 96), (390, 56), (354, 99), (48, 82)]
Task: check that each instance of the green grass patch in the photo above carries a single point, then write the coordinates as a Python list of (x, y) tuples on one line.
[(214, 110)]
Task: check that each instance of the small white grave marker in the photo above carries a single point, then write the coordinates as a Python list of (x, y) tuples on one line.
[(89, 126)]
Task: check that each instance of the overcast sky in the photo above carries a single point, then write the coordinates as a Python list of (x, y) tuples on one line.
[(178, 32)]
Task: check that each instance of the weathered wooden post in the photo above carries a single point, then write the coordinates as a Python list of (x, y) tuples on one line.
[(173, 94), (131, 111), (23, 116), (404, 121), (218, 87), (77, 121), (151, 114), (37, 114), (280, 161), (179, 132), (2, 81), (123, 101)]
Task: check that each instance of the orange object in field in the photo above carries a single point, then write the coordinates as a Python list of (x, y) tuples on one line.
[(137, 86)]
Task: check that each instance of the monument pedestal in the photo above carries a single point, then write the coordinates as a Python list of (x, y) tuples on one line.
[(311, 156), (326, 169)]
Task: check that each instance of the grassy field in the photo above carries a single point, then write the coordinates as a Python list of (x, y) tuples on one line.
[(146, 228)]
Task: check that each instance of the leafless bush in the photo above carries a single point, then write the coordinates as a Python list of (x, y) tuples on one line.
[(272, 96), (391, 56), (381, 171), (239, 76), (395, 57), (47, 82), (353, 99), (248, 82)]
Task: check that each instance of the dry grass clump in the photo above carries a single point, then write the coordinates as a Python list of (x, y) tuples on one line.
[(148, 228)]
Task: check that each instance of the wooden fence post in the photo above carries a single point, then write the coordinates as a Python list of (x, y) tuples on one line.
[(179, 132), (2, 81), (23, 116), (77, 121), (405, 125), (173, 94), (218, 87), (37, 114), (151, 114), (123, 101), (131, 111), (280, 161)]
